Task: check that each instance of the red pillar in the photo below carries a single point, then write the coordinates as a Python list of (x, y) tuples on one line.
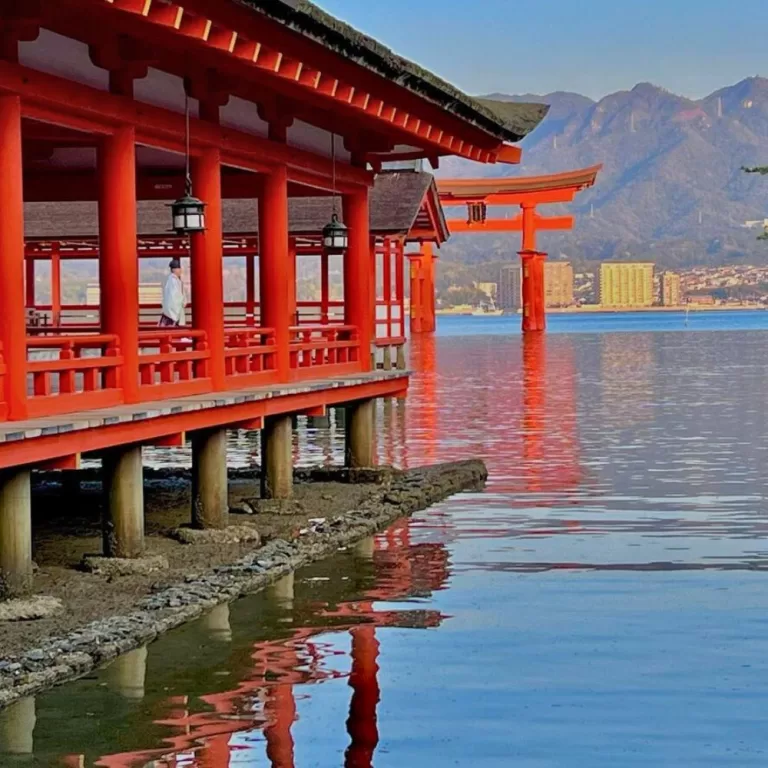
[(361, 725), (324, 287), (534, 308), (387, 281), (274, 270), (207, 263), (13, 333), (416, 303), (118, 259), (29, 282), (250, 289), (428, 288), (358, 277), (55, 286), (294, 318), (281, 707)]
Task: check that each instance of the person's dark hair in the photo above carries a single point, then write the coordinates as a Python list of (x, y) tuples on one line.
[(175, 264)]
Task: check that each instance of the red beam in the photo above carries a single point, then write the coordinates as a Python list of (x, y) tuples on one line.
[(543, 224)]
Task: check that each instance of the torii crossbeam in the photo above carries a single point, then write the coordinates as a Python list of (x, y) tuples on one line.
[(528, 193)]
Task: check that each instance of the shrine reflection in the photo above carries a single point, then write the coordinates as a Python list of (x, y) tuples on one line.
[(176, 704)]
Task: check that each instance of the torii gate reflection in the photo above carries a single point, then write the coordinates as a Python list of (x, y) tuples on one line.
[(267, 700)]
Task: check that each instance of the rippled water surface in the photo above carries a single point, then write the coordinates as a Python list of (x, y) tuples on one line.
[(603, 603)]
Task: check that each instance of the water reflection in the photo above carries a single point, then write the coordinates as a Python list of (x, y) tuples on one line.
[(606, 592)]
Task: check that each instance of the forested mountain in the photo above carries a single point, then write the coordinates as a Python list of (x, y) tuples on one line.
[(671, 188)]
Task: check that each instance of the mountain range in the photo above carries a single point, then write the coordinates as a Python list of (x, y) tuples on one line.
[(671, 190)]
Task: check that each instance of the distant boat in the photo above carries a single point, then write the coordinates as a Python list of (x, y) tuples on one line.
[(486, 312)]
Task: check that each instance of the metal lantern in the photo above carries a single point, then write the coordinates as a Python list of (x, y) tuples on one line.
[(188, 215), (335, 236)]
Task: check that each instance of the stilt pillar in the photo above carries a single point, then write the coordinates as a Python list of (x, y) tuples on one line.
[(207, 263), (387, 358), (360, 434), (123, 502), (429, 322), (400, 364), (15, 533), (118, 257), (127, 674), (358, 278), (210, 490), (17, 727), (534, 304), (274, 268), (13, 333), (277, 458)]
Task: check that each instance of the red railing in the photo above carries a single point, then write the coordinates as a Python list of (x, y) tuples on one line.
[(321, 350), (72, 373), (250, 356), (173, 363)]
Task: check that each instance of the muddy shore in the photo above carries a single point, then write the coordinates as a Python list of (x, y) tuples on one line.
[(106, 616)]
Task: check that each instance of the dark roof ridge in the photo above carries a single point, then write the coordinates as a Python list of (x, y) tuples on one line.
[(508, 121)]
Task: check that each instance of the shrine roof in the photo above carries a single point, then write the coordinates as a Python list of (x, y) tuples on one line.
[(396, 202), (508, 121)]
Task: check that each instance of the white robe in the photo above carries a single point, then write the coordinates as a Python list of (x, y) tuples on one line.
[(174, 299)]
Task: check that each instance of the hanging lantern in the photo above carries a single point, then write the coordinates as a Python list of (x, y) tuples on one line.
[(335, 236), (188, 215), (188, 212)]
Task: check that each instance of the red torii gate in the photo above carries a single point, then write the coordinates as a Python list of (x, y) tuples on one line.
[(526, 192)]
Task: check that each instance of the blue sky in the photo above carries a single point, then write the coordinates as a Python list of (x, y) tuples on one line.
[(594, 47)]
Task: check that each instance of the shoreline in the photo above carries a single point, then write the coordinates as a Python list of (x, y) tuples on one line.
[(597, 310), (392, 494)]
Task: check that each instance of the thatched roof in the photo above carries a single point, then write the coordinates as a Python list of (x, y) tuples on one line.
[(507, 121)]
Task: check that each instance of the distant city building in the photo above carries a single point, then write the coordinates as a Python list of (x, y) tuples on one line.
[(671, 289), (149, 293), (510, 288), (626, 284), (558, 283)]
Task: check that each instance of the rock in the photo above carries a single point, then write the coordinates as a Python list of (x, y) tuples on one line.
[(234, 534), (29, 609), (243, 508), (118, 566)]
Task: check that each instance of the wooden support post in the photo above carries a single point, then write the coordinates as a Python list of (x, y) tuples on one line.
[(274, 271), (217, 624), (127, 674), (428, 289), (387, 357), (118, 259), (360, 425), (210, 491), (358, 277), (15, 533), (13, 333), (277, 458), (415, 261), (123, 502), (208, 263), (400, 363)]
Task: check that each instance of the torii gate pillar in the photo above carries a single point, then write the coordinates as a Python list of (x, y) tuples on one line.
[(534, 303)]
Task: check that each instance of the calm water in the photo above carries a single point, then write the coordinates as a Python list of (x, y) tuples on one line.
[(603, 603)]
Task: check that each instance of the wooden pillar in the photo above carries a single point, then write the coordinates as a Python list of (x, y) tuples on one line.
[(274, 268), (13, 333), (386, 278), (292, 308), (17, 729), (118, 255), (123, 481), (15, 533), (360, 448), (362, 722), (325, 277), (56, 285), (428, 289), (358, 276), (250, 289), (415, 267), (208, 263), (210, 490), (127, 674), (400, 283), (277, 457), (29, 282)]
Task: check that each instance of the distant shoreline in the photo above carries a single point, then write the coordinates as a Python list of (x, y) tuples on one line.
[(595, 309)]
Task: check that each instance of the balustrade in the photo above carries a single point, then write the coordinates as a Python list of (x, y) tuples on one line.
[(250, 356), (71, 373), (173, 363), (321, 350)]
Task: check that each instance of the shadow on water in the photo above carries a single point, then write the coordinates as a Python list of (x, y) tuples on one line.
[(601, 603)]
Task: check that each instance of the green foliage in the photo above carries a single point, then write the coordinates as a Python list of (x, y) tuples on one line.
[(761, 169)]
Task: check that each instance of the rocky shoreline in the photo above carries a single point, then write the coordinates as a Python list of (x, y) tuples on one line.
[(395, 494)]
